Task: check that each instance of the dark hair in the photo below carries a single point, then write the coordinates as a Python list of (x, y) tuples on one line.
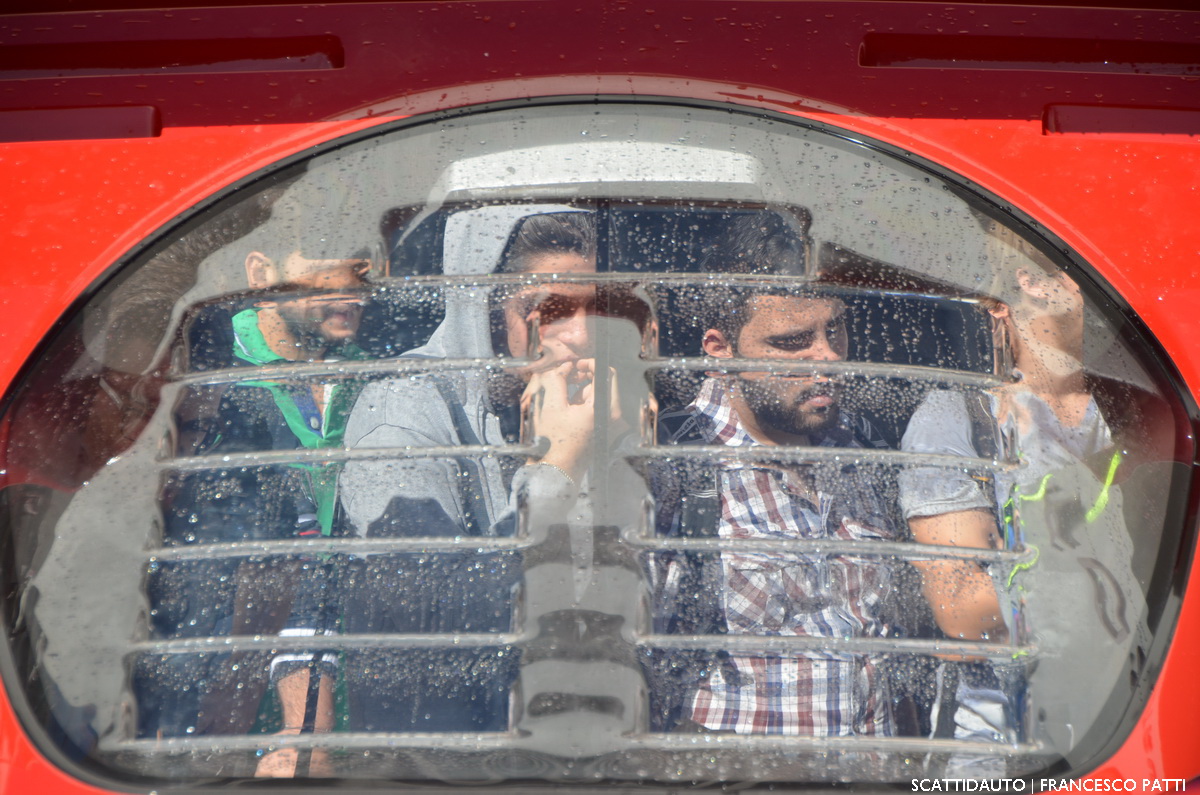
[(550, 233), (537, 235), (762, 243)]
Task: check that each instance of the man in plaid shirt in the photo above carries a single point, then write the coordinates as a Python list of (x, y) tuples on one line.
[(817, 693)]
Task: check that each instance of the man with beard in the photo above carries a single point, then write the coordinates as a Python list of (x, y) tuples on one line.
[(319, 323), (809, 691), (306, 307)]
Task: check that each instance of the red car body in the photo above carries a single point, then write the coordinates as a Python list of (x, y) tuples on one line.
[(1087, 120)]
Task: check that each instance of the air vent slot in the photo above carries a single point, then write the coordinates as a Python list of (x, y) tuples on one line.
[(67, 124), (925, 51), (172, 57), (1124, 122)]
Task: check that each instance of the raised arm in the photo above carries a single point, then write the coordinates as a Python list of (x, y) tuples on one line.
[(961, 593), (947, 507)]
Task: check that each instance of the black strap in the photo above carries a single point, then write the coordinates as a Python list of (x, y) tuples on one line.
[(983, 439), (947, 700), (470, 487), (309, 726), (983, 424)]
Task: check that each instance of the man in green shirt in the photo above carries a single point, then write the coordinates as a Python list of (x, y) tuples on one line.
[(304, 309)]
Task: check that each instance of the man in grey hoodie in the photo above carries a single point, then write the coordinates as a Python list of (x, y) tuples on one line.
[(458, 402)]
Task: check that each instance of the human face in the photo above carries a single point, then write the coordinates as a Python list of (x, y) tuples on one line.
[(332, 316), (563, 313), (801, 329)]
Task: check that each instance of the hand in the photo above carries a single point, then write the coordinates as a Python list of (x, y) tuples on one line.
[(585, 375), (560, 406)]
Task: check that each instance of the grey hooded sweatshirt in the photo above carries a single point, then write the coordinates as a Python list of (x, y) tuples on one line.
[(575, 646), (441, 689), (439, 496)]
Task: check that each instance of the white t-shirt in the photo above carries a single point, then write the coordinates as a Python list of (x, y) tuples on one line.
[(1078, 604)]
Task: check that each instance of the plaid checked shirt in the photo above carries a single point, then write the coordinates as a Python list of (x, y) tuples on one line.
[(819, 694)]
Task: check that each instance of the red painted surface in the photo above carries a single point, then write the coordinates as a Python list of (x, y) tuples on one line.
[(1125, 197)]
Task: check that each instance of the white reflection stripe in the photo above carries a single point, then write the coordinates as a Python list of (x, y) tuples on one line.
[(488, 742), (344, 368), (904, 550), (701, 279), (328, 455), (346, 546), (355, 740), (716, 453), (785, 644), (411, 365), (721, 453), (753, 644), (311, 644), (846, 369), (791, 742)]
